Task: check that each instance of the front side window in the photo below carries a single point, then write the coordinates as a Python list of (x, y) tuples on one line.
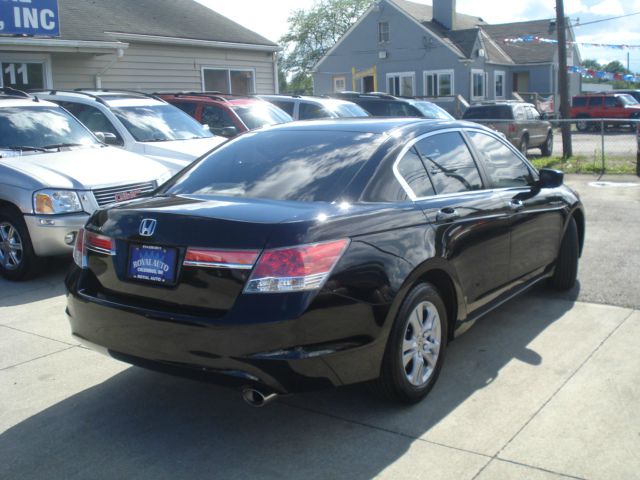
[(383, 32), (309, 111), (260, 115), (504, 167), (29, 129), (438, 83), (449, 163), (311, 166), (609, 101), (159, 123), (477, 84), (93, 119), (217, 118), (579, 101)]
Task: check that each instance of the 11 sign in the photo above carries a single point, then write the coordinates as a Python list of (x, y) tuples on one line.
[(29, 17)]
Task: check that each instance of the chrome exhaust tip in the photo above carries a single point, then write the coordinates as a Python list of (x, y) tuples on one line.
[(256, 398)]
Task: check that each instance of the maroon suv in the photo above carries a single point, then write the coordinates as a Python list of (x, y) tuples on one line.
[(227, 115), (603, 105)]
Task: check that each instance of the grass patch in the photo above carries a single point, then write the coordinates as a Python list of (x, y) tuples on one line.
[(584, 164)]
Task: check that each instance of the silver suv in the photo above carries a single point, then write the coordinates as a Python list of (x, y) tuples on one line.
[(139, 123), (53, 174), (311, 108)]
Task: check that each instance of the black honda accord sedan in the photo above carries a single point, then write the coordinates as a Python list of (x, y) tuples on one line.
[(322, 254)]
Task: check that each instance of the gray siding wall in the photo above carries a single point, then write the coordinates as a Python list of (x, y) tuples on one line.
[(151, 67)]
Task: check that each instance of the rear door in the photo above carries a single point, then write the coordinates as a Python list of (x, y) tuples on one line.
[(471, 222), (536, 215)]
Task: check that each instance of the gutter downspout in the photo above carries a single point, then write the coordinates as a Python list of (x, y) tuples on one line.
[(118, 56), (276, 79)]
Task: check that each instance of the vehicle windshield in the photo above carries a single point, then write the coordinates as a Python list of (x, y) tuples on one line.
[(310, 166), (261, 115), (41, 129), (348, 110), (430, 110), (159, 123), (489, 112), (627, 99)]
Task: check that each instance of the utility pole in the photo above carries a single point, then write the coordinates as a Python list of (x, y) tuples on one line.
[(563, 80)]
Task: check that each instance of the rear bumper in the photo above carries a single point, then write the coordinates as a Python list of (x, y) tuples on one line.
[(279, 356), (48, 232)]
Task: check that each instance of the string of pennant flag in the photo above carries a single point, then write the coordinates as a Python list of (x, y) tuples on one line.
[(536, 39), (588, 72)]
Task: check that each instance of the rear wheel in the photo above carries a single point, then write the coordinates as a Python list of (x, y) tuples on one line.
[(566, 273), (524, 145), (416, 346), (547, 147), (17, 259)]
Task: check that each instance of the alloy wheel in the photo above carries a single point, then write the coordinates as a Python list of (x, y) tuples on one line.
[(11, 250), (421, 344)]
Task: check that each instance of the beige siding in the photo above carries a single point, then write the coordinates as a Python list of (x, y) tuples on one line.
[(151, 67)]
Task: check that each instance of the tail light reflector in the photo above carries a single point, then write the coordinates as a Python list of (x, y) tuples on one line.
[(304, 267), (80, 250), (99, 243), (207, 258)]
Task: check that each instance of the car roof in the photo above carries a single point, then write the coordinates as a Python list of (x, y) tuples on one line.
[(13, 101), (376, 125), (108, 97), (211, 97)]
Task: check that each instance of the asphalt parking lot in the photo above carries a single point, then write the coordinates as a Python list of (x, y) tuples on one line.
[(547, 386)]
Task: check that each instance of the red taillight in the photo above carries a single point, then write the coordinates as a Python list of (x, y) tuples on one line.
[(207, 258), (98, 243), (79, 250), (305, 267)]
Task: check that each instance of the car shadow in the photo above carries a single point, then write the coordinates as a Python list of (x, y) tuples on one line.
[(141, 424), (47, 284)]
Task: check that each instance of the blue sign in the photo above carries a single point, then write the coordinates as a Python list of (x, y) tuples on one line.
[(37, 18)]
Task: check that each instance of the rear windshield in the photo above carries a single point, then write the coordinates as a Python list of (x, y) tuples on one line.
[(431, 110), (261, 115), (348, 110), (310, 166), (489, 112)]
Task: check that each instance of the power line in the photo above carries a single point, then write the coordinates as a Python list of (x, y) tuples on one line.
[(603, 20)]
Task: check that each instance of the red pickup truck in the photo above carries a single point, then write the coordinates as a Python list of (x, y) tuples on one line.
[(604, 105)]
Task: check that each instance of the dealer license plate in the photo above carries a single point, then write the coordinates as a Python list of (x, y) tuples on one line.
[(151, 263)]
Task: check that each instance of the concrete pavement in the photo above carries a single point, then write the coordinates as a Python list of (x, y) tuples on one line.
[(545, 387)]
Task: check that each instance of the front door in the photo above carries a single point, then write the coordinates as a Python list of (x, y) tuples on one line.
[(368, 84)]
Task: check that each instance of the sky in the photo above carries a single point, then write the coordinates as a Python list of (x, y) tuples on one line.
[(269, 19)]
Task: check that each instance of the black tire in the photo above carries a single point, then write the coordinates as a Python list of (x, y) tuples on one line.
[(547, 147), (566, 273), (24, 264), (582, 125), (524, 145), (393, 382)]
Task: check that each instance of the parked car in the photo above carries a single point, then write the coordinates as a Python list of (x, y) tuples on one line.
[(313, 108), (323, 253), (385, 105), (53, 174), (604, 105), (139, 123), (227, 115), (519, 122)]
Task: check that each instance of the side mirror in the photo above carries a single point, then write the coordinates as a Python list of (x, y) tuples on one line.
[(108, 138), (206, 127), (229, 132), (550, 178)]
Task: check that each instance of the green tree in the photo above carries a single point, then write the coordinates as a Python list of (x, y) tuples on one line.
[(591, 64), (615, 67), (312, 33)]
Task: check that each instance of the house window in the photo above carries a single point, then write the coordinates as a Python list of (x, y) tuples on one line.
[(477, 84), (438, 83), (339, 84), (239, 82), (25, 71), (401, 84), (498, 78), (383, 32)]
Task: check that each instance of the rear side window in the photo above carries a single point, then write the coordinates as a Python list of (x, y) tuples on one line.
[(412, 170), (187, 107), (310, 166), (504, 167), (579, 101), (449, 163), (309, 111), (595, 101)]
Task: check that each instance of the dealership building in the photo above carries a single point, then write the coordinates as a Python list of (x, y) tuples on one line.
[(148, 45)]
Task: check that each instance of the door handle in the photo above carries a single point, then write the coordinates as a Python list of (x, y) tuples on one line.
[(516, 204), (447, 214)]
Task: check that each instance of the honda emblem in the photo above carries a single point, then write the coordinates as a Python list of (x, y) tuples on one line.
[(147, 227)]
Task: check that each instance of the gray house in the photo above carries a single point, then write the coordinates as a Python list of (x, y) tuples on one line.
[(144, 45), (411, 49)]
